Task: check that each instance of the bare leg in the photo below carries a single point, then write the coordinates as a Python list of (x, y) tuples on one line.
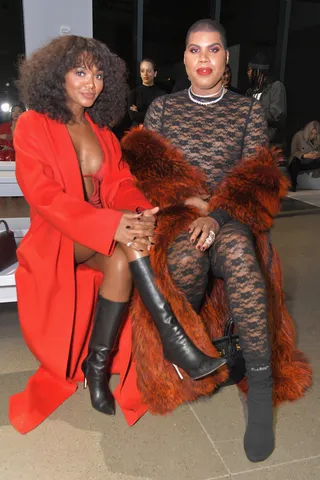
[(114, 294)]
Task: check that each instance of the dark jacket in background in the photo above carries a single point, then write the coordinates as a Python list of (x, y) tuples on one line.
[(142, 97)]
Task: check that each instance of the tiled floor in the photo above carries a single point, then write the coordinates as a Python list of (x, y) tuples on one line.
[(201, 441)]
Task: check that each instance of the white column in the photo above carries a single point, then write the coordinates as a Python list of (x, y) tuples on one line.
[(47, 19)]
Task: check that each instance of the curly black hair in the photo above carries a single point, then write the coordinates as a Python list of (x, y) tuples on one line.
[(42, 79)]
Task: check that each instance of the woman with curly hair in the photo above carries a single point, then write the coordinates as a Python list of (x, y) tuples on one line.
[(85, 211)]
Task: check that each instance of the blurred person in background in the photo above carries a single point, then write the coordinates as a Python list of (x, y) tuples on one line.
[(272, 95), (227, 78), (141, 97), (305, 152), (7, 133)]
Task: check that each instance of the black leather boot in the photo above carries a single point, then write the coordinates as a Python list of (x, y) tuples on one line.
[(107, 323), (259, 436), (177, 346)]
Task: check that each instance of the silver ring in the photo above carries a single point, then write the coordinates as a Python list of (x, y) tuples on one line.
[(210, 238), (129, 244)]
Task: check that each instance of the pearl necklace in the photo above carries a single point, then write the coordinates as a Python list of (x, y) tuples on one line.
[(193, 99)]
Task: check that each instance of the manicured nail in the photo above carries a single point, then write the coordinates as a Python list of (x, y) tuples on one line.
[(152, 243), (128, 226), (203, 249), (198, 248)]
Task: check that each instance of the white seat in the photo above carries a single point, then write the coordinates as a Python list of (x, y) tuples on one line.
[(8, 292), (8, 182), (306, 181)]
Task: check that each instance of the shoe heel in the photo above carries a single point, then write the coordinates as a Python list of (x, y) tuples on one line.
[(178, 371)]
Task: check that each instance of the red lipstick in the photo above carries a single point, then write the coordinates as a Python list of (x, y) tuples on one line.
[(204, 71)]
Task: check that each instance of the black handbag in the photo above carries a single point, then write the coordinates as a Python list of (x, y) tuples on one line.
[(228, 347), (8, 247)]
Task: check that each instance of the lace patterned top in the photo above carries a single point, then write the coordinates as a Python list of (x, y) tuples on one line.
[(212, 137)]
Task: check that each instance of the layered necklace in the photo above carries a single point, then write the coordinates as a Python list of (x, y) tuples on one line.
[(204, 99)]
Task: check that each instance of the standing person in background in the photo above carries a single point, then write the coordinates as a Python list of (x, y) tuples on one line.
[(227, 78), (141, 97), (271, 94)]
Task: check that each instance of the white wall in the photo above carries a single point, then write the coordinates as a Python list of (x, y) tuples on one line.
[(43, 20)]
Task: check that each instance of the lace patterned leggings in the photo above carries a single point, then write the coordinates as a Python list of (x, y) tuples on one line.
[(233, 258)]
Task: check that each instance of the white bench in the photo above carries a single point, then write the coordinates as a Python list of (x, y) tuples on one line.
[(8, 182), (20, 226), (8, 293)]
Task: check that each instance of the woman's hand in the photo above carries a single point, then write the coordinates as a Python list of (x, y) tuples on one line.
[(136, 230), (311, 155), (198, 203), (206, 228)]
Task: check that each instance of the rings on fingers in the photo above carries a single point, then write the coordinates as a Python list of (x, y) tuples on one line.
[(210, 238), (129, 244)]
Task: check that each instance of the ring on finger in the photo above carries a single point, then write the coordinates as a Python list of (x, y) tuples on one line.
[(129, 244), (210, 238)]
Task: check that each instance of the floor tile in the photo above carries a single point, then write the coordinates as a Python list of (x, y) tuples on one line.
[(171, 447), (301, 470)]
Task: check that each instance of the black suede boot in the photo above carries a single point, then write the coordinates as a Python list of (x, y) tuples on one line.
[(177, 346), (107, 323), (259, 436)]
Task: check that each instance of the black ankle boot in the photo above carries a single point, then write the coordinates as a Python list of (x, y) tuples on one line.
[(107, 322), (177, 346), (259, 436)]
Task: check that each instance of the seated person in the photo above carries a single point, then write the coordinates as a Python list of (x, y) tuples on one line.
[(305, 152), (7, 132)]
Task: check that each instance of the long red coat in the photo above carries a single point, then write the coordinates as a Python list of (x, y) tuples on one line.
[(55, 300)]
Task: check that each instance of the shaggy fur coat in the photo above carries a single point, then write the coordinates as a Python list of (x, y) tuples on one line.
[(251, 193)]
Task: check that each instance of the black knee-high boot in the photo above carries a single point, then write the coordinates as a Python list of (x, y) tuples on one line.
[(259, 436), (177, 346), (107, 323)]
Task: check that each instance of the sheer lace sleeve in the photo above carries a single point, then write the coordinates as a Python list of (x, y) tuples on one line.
[(256, 132), (154, 115)]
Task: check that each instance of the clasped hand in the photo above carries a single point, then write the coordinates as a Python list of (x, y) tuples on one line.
[(137, 229)]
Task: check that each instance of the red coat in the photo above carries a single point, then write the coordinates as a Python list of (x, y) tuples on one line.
[(55, 300)]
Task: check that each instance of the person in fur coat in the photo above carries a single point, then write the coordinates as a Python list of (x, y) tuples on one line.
[(231, 204)]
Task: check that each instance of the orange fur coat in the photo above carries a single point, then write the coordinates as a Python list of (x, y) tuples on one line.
[(251, 193)]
